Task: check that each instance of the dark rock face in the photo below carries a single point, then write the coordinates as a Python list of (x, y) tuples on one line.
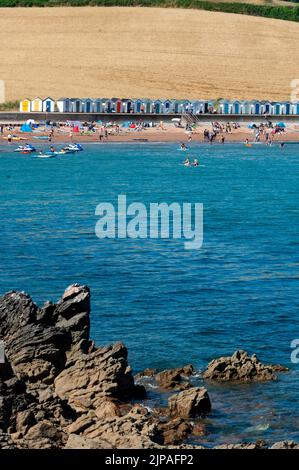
[(53, 374), (240, 367)]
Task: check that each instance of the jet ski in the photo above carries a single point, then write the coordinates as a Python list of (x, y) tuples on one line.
[(27, 148), (75, 147)]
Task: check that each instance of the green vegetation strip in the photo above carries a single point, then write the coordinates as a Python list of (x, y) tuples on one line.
[(279, 12), (10, 106)]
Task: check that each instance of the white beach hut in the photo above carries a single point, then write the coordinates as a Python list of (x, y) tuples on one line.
[(36, 105), (48, 105), (63, 105)]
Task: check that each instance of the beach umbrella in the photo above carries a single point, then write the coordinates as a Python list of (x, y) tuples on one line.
[(281, 124)]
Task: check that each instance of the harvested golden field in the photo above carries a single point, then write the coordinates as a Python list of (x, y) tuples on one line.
[(145, 52)]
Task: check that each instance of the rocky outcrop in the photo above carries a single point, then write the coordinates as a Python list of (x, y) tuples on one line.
[(53, 375), (58, 390), (190, 403), (175, 378), (240, 367)]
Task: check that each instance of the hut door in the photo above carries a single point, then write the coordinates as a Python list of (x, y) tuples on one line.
[(237, 108), (287, 108), (257, 109), (277, 109), (88, 107), (48, 106), (118, 107), (267, 108)]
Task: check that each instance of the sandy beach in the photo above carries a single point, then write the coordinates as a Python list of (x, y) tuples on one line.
[(168, 133)]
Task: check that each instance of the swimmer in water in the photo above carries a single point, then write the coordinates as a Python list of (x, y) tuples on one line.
[(281, 145), (195, 162), (183, 146), (186, 162), (52, 149)]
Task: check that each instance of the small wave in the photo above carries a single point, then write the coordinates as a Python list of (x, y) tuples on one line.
[(258, 427)]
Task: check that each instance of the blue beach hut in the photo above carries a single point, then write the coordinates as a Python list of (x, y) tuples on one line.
[(48, 105)]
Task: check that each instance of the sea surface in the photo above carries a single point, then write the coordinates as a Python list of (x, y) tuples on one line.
[(171, 306)]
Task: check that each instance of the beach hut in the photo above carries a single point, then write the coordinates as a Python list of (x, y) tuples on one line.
[(76, 105), (186, 106), (197, 107), (267, 107), (118, 106), (228, 107), (87, 105), (177, 106), (48, 105), (286, 108), (277, 108), (244, 107), (98, 105), (25, 106), (167, 106), (128, 105), (63, 105), (147, 103), (236, 107), (157, 107), (138, 106), (36, 105)]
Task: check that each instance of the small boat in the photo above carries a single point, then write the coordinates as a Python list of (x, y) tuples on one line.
[(28, 148)]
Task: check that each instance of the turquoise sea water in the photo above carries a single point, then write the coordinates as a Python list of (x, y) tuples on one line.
[(171, 306)]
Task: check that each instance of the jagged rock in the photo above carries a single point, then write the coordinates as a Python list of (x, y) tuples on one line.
[(175, 378), (190, 403), (135, 430), (24, 421), (149, 372), (45, 435), (240, 367), (53, 373), (90, 377), (175, 431)]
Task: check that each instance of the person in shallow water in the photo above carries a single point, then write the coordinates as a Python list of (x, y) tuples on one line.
[(52, 149), (186, 162), (195, 162), (183, 146)]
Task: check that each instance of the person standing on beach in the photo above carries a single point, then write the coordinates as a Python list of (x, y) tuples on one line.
[(71, 136), (1, 128), (9, 138)]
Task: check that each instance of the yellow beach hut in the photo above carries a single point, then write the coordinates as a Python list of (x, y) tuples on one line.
[(36, 105), (25, 106)]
